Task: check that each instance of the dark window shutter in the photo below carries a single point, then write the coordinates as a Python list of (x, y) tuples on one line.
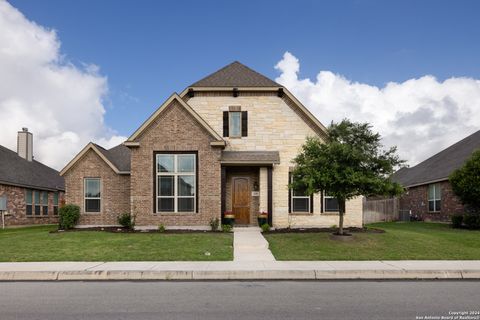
[(321, 202), (225, 124), (289, 193), (244, 123)]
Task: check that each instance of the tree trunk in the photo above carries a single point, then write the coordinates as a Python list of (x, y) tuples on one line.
[(341, 213)]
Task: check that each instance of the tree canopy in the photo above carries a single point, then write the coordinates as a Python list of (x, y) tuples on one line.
[(465, 182), (350, 163)]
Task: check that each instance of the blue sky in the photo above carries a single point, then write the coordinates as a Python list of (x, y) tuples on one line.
[(148, 49), (81, 71)]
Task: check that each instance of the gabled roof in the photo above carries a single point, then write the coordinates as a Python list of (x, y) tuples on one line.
[(161, 109), (235, 75), (14, 170), (439, 166), (117, 158)]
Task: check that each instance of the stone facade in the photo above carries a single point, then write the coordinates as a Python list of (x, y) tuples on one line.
[(175, 130), (16, 207), (416, 200), (115, 190), (273, 125)]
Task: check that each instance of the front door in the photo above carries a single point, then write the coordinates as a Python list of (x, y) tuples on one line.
[(241, 200)]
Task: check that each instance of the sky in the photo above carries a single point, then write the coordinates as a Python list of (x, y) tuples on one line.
[(80, 71)]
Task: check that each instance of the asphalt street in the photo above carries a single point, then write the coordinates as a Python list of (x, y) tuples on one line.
[(239, 300)]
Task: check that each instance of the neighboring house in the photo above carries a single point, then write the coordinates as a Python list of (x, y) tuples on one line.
[(33, 190), (226, 143), (428, 192)]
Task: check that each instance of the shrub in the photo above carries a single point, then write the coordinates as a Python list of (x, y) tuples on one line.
[(265, 227), (471, 221), (226, 228), (161, 228), (126, 221), (465, 182), (214, 224), (457, 220), (68, 216)]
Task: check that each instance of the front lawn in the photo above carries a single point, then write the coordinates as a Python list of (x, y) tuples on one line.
[(401, 241), (37, 244)]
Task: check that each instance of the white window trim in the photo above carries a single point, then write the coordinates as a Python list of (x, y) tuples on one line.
[(175, 175), (91, 198), (325, 197), (435, 198), (292, 196), (230, 124)]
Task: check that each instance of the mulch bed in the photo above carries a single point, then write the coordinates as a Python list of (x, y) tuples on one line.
[(327, 230), (126, 230)]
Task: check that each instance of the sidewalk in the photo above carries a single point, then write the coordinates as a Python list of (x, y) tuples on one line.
[(250, 245), (237, 270)]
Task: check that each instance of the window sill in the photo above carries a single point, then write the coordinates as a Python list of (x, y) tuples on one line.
[(301, 213), (92, 213), (174, 213), (331, 213), (42, 216)]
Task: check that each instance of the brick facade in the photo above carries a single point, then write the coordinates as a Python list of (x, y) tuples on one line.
[(416, 200), (115, 190), (16, 207), (175, 130)]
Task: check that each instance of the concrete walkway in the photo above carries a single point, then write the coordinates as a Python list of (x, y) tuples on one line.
[(250, 245), (236, 270)]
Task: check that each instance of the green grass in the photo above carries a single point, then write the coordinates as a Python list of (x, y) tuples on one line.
[(37, 244), (401, 241)]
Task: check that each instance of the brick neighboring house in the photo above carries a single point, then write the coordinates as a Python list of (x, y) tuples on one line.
[(33, 190), (428, 192), (225, 143)]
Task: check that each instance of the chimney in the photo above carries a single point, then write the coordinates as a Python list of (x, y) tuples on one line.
[(25, 144)]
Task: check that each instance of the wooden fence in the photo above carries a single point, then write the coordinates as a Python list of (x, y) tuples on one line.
[(381, 210)]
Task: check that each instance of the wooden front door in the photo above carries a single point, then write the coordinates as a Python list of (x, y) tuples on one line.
[(241, 200)]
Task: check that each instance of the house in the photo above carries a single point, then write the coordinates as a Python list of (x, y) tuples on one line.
[(226, 143), (32, 190), (428, 192)]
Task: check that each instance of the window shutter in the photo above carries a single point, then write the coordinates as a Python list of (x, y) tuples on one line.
[(244, 123), (225, 124), (289, 193), (321, 202)]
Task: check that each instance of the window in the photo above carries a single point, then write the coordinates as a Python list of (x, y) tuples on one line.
[(44, 203), (235, 124), (434, 197), (300, 201), (176, 182), (330, 203), (92, 195), (28, 202), (55, 203), (36, 198)]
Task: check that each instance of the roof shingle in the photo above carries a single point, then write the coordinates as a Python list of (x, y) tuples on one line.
[(441, 165), (235, 75), (14, 170), (250, 157)]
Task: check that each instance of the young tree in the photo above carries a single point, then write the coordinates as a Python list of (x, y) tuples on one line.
[(465, 182), (350, 163)]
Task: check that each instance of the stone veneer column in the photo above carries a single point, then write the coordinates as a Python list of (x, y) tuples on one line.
[(263, 189)]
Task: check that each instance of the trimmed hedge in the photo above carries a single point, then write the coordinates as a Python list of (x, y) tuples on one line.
[(68, 216)]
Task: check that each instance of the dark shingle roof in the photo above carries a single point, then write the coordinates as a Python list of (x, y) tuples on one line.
[(250, 156), (119, 156), (14, 170), (441, 165), (235, 75)]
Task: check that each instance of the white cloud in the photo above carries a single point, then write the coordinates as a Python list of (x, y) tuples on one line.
[(39, 89), (421, 116)]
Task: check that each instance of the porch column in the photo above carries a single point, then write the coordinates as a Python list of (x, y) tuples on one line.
[(263, 189)]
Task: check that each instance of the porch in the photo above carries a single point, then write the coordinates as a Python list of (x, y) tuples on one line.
[(246, 183)]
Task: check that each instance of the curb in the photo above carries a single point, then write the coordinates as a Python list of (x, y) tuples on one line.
[(105, 275)]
